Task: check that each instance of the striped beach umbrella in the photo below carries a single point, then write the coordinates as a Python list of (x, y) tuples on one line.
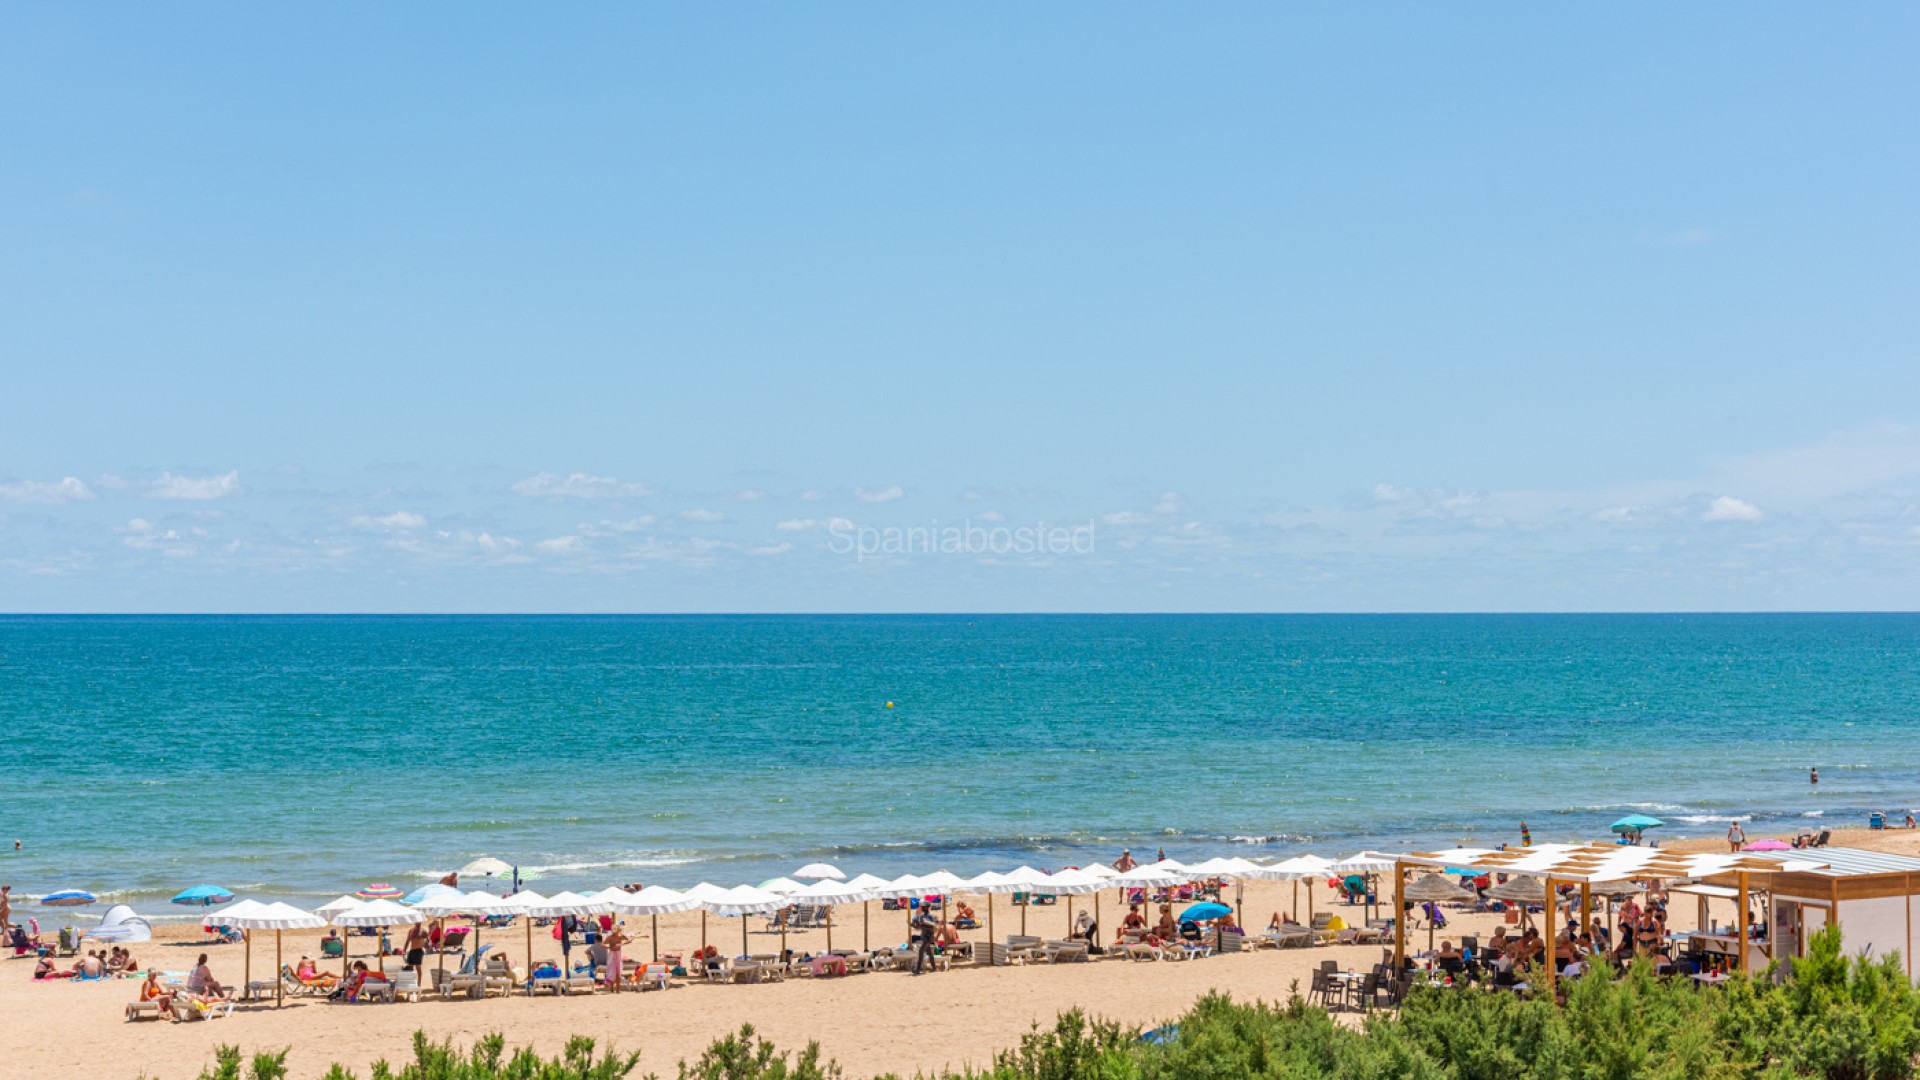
[(380, 891), (68, 898)]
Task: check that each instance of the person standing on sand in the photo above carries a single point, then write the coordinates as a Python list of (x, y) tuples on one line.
[(1736, 836), (1125, 862), (612, 942), (417, 951), (926, 926), (6, 907)]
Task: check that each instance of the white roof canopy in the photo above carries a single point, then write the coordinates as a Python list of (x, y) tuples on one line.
[(1602, 862)]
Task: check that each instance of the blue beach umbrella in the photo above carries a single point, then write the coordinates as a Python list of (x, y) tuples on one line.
[(1203, 912), (428, 892), (68, 898), (1636, 822), (203, 896)]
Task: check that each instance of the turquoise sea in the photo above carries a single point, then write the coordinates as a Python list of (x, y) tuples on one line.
[(306, 756)]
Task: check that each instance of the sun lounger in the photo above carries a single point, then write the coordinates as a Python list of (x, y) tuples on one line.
[(580, 984), (1140, 950), (653, 976), (185, 1008), (546, 984), (745, 971), (143, 1010), (407, 985), (1066, 951)]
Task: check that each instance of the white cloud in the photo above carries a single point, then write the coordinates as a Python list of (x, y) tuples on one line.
[(399, 519), (1728, 508), (796, 525), (706, 516), (197, 488), (780, 548), (1126, 517), (1171, 502), (606, 527), (751, 495), (879, 495), (1617, 514), (814, 495), (579, 486), (562, 545), (1389, 493), (990, 515), (65, 489)]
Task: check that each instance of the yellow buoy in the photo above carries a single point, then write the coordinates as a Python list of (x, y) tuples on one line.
[(889, 704)]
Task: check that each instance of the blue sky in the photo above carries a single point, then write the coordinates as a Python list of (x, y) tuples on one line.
[(483, 307)]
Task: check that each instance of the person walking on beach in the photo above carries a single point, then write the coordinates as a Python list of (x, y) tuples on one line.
[(6, 907), (926, 926), (1736, 837), (417, 951)]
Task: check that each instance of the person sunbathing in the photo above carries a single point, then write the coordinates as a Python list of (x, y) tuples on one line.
[(151, 990), (948, 935), (1134, 920), (201, 981), (90, 966)]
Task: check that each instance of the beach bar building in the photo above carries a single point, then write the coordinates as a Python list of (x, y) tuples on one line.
[(1749, 878), (1873, 895)]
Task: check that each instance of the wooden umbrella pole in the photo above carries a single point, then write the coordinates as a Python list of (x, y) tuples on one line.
[(279, 984), (743, 933), (529, 918), (703, 932), (656, 939), (247, 935), (829, 927), (866, 926)]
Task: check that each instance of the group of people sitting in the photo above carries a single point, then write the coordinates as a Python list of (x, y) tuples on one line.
[(96, 964), (1168, 930)]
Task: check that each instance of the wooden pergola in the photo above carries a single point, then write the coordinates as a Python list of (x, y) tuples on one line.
[(1586, 864)]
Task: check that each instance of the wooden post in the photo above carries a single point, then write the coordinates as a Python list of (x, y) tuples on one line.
[(829, 930), (866, 926), (1740, 926), (1586, 907), (1399, 918), (656, 943), (1552, 907), (280, 982)]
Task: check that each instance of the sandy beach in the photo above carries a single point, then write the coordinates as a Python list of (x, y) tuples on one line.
[(870, 1023)]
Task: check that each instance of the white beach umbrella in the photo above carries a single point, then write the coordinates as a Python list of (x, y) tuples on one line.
[(378, 913), (1363, 862), (610, 896), (567, 903), (872, 885), (1100, 870), (1149, 876), (989, 883), (1072, 882), (276, 917), (701, 893), (653, 902), (1227, 867), (1301, 868), (486, 866), (742, 901), (1024, 879), (524, 902), (447, 903), (815, 871), (338, 904), (830, 893), (781, 886)]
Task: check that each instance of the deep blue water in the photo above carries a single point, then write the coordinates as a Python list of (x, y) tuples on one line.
[(310, 755)]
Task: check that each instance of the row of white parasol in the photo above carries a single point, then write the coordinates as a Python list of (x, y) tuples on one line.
[(783, 893)]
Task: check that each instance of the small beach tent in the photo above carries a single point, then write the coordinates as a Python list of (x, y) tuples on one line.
[(655, 901), (742, 901), (203, 896), (377, 913), (276, 917), (121, 926), (869, 884), (816, 871)]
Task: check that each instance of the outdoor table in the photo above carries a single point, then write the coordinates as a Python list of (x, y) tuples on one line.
[(1710, 978)]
